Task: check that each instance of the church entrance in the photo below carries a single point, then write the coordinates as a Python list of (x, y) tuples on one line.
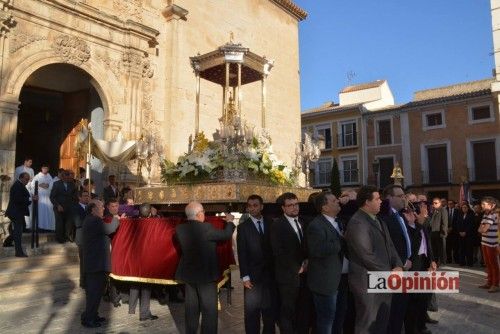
[(54, 99)]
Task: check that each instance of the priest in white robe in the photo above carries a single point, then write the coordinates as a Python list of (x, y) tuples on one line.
[(46, 218)]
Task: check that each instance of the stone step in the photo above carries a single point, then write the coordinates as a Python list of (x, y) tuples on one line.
[(36, 275), (45, 248), (42, 238), (41, 260)]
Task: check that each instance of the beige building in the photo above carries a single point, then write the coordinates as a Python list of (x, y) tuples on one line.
[(344, 131), (454, 136), (126, 66)]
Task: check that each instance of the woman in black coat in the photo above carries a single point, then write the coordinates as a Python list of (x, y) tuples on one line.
[(466, 234)]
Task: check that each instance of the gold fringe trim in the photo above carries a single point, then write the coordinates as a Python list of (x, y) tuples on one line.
[(145, 280), (225, 278)]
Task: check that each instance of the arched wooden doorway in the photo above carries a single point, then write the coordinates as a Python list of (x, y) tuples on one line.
[(53, 100)]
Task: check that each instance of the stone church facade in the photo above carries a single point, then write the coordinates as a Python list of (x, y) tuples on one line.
[(134, 54)]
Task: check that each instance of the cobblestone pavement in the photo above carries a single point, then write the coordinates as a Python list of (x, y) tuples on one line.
[(473, 310)]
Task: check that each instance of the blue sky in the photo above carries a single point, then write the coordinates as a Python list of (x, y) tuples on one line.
[(414, 44)]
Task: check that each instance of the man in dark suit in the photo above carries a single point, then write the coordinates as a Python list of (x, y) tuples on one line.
[(421, 259), (396, 200), (256, 269), (370, 249), (439, 229), (325, 251), (452, 240), (19, 201), (198, 267), (96, 260), (63, 197), (79, 213), (290, 265), (111, 191)]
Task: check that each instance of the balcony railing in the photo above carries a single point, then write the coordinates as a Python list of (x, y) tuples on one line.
[(437, 176), (487, 174), (347, 140)]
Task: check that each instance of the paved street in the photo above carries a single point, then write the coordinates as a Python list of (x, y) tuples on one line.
[(471, 311)]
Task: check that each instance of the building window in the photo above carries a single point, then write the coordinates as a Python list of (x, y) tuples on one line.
[(325, 130), (481, 113), (323, 172), (348, 134), (349, 173), (437, 165), (433, 120), (485, 161), (384, 132)]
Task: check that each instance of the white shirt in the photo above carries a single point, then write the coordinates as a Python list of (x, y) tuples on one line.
[(292, 220), (255, 220)]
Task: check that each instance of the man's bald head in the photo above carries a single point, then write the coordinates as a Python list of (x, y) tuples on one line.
[(194, 211)]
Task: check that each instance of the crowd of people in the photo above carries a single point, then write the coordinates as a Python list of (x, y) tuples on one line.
[(299, 272)]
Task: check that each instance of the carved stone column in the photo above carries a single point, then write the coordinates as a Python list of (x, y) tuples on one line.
[(9, 107)]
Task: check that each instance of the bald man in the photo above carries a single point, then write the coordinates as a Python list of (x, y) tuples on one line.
[(198, 267)]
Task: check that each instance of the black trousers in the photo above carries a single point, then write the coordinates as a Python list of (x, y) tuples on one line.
[(18, 224), (466, 256), (452, 248), (344, 307), (260, 301), (201, 298), (399, 306), (96, 283), (144, 291), (296, 310), (437, 247), (64, 225), (418, 302)]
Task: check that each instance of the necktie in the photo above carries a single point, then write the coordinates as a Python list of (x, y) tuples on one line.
[(405, 234), (65, 186), (299, 230), (259, 227)]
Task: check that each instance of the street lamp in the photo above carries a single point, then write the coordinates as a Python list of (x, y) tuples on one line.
[(375, 168), (308, 151)]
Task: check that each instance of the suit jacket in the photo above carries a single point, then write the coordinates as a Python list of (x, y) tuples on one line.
[(370, 249), (453, 220), (439, 221), (60, 196), (108, 193), (416, 239), (255, 256), (96, 243), (19, 201), (395, 231), (288, 253), (198, 241), (325, 256), (466, 224), (79, 215)]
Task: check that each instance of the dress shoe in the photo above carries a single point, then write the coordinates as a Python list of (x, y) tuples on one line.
[(493, 289), (424, 331), (100, 319), (91, 324), (484, 286), (21, 255), (150, 317)]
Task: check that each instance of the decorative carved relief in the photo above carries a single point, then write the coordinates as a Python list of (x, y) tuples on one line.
[(7, 21), (72, 49), (138, 64), (114, 65), (128, 9), (20, 40)]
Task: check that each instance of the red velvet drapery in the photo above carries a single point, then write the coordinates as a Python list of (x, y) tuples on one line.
[(145, 250)]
